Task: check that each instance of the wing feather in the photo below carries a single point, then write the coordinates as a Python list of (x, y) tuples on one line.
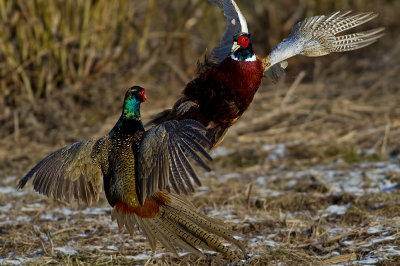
[(189, 168), (73, 171), (191, 152), (182, 169), (163, 157), (172, 180), (192, 143), (316, 36), (176, 172), (235, 23)]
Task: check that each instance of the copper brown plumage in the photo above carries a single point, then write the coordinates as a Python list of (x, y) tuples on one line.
[(228, 80), (138, 169)]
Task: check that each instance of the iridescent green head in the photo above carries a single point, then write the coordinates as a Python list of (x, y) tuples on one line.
[(133, 98)]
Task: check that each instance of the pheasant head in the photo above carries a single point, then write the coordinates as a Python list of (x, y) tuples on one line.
[(242, 50), (130, 120), (131, 107)]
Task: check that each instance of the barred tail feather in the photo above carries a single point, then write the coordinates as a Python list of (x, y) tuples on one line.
[(179, 225)]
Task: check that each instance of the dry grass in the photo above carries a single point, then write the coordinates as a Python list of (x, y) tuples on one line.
[(340, 116)]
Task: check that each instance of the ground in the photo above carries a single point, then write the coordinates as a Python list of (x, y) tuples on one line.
[(309, 175)]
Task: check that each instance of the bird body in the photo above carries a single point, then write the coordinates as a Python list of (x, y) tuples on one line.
[(139, 167), (224, 91), (227, 82), (220, 93)]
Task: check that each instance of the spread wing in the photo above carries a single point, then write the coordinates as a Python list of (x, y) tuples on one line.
[(163, 157), (317, 36), (235, 23), (73, 172)]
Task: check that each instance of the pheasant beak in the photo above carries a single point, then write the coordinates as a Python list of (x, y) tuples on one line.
[(235, 46)]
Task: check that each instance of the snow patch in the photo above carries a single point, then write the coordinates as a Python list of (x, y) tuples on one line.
[(66, 251), (9, 180), (16, 261), (12, 190), (112, 248), (375, 229), (276, 152), (220, 152), (336, 209), (96, 211), (6, 207), (379, 240)]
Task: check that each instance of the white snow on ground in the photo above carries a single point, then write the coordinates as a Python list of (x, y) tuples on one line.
[(12, 190), (152, 255), (229, 176), (6, 207), (220, 152), (97, 211), (376, 255), (364, 178), (66, 250), (9, 180), (260, 240), (276, 152), (33, 207), (336, 209), (15, 261), (375, 229), (379, 240), (112, 248)]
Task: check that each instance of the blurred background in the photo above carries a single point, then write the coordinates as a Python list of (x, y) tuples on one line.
[(65, 67)]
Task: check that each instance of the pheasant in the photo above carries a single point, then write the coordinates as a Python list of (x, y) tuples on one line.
[(228, 80), (138, 168)]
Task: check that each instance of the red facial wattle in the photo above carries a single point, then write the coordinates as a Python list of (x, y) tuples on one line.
[(243, 41), (142, 93)]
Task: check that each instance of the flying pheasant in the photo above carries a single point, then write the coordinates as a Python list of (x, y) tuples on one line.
[(138, 167), (229, 78)]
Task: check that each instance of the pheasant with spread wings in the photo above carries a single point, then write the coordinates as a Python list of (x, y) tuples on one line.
[(138, 168), (227, 81)]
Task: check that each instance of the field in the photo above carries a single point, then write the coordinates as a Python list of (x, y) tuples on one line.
[(309, 175)]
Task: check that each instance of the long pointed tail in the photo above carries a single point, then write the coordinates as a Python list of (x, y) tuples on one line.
[(177, 224)]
